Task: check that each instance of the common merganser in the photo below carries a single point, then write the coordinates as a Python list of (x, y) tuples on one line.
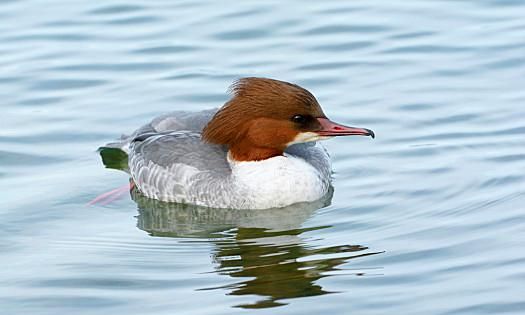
[(258, 151)]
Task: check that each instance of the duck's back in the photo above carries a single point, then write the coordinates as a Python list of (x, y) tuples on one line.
[(172, 121)]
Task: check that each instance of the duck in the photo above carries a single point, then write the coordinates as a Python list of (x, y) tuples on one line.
[(259, 150)]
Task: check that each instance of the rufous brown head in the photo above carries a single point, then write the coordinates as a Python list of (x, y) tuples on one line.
[(265, 116)]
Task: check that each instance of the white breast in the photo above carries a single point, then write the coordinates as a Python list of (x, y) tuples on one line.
[(279, 181)]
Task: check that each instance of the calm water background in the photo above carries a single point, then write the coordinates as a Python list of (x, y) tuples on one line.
[(428, 218)]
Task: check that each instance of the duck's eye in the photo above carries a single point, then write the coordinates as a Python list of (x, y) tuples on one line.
[(300, 119)]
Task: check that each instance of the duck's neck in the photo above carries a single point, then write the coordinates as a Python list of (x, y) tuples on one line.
[(244, 151)]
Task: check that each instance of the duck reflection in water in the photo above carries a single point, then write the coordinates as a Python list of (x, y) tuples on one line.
[(264, 248)]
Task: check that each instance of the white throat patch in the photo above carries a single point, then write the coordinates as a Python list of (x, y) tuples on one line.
[(307, 137)]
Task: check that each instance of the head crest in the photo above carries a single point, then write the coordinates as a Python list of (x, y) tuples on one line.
[(258, 98)]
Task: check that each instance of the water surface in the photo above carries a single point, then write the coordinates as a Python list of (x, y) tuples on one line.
[(428, 218)]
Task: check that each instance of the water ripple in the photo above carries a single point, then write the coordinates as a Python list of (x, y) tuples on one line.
[(429, 211)]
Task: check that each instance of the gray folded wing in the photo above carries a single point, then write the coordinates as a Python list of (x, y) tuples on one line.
[(179, 147), (171, 166)]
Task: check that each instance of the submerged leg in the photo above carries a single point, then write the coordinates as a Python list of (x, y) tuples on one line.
[(112, 195)]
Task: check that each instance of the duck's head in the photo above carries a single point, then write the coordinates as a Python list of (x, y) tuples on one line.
[(265, 116)]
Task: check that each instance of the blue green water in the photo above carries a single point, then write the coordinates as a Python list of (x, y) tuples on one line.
[(428, 218)]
